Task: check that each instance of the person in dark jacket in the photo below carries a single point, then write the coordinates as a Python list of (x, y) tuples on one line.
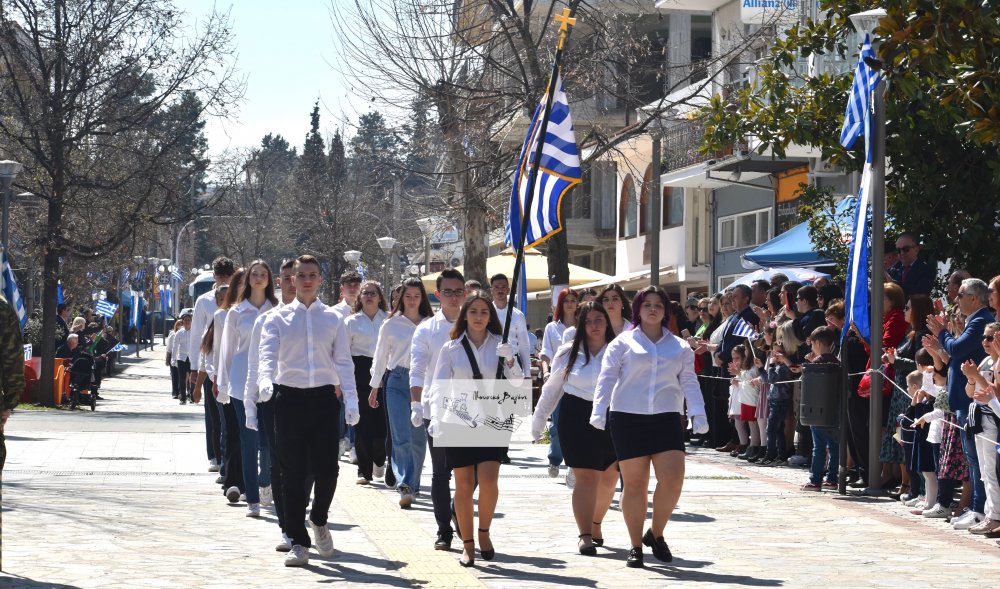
[(914, 275)]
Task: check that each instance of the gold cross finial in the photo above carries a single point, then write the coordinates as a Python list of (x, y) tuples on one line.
[(565, 22)]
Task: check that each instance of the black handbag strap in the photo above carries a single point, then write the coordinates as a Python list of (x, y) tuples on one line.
[(472, 359)]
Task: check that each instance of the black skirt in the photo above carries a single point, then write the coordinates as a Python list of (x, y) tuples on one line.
[(459, 457), (636, 435), (583, 445)]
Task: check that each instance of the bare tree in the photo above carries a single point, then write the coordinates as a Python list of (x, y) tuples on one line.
[(82, 84)]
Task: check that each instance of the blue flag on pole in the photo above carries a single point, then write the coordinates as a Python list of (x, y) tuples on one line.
[(59, 293), (11, 293), (857, 122), (125, 275)]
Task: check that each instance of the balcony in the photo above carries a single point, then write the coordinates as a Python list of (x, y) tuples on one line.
[(682, 143)]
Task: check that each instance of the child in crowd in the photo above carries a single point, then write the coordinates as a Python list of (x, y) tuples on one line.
[(766, 344), (823, 339), (920, 385), (782, 367), (949, 463), (743, 402)]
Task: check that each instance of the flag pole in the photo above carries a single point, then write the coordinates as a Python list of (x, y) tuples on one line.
[(565, 21)]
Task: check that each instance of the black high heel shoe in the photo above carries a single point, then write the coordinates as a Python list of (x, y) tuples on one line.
[(472, 561), (587, 550), (486, 554), (597, 541)]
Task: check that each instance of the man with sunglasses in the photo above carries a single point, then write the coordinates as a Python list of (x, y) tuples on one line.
[(914, 275)]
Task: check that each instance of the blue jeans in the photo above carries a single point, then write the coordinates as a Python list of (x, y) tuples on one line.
[(346, 431), (824, 438), (249, 451), (409, 444), (969, 448), (777, 408), (555, 450)]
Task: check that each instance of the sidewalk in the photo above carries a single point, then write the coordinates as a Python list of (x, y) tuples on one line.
[(122, 498)]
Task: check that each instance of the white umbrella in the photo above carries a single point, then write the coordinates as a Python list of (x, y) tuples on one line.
[(803, 275)]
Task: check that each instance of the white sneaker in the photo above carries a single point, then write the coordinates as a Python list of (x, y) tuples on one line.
[(353, 459), (936, 512), (213, 466), (243, 497), (969, 518), (345, 445), (285, 545), (362, 481), (253, 510), (379, 472), (553, 471), (266, 498), (570, 479), (915, 501), (298, 556), (322, 540), (233, 494)]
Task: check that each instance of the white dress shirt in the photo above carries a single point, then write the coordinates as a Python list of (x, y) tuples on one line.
[(170, 347), (343, 309), (393, 347), (552, 339), (251, 393), (581, 381), (518, 336), (233, 356), (363, 332), (428, 339), (306, 347), (219, 322), (204, 307), (645, 377), (454, 364), (182, 339), (570, 332)]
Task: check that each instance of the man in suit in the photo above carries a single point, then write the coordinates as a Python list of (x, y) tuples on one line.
[(741, 301), (914, 275), (62, 327)]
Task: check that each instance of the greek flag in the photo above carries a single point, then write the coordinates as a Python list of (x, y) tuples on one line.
[(744, 329), (125, 275), (140, 276), (119, 348), (858, 103), (558, 171), (11, 293), (177, 275), (166, 293), (106, 308)]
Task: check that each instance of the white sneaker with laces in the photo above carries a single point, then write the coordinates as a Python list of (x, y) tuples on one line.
[(266, 498), (253, 510), (936, 512), (243, 496), (233, 494), (969, 518), (570, 479), (213, 466), (379, 472), (553, 471), (322, 540), (916, 501), (285, 545), (298, 556), (362, 481), (353, 457)]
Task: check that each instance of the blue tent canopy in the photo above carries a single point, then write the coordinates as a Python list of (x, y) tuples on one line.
[(794, 248)]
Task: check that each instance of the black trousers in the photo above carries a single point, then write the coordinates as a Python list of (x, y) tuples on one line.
[(214, 425), (440, 486), (370, 432), (183, 368), (858, 411), (304, 421), (234, 456), (265, 421)]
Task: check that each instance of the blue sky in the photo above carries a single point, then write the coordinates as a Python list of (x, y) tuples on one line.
[(284, 50)]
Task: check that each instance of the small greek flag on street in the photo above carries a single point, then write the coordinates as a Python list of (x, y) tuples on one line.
[(125, 275), (118, 348), (744, 329), (11, 293), (106, 308)]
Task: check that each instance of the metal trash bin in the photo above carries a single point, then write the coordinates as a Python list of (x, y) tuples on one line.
[(822, 389)]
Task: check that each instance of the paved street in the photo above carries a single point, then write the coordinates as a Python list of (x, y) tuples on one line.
[(121, 498)]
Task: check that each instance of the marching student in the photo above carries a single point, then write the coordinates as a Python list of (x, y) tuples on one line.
[(588, 450), (474, 352), (304, 358), (392, 353), (428, 339), (350, 285), (260, 413), (362, 331), (232, 469), (616, 303), (179, 354), (256, 296), (563, 319), (518, 337), (646, 377)]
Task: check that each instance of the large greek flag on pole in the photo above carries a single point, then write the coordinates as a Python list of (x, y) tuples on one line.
[(558, 171), (11, 293), (106, 308), (857, 121)]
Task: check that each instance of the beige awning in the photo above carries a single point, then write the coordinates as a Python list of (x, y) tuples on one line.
[(536, 267)]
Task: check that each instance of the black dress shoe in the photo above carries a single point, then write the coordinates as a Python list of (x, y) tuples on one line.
[(443, 542), (634, 560), (486, 554), (660, 549)]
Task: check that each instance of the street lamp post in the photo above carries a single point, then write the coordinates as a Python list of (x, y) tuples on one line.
[(8, 171), (177, 258), (426, 226), (865, 23), (387, 243)]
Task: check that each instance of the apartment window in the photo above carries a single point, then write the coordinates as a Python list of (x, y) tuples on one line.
[(723, 282), (604, 196), (744, 230), (627, 210), (673, 207)]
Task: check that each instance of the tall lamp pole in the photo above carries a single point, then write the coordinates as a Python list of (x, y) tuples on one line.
[(866, 22), (387, 243)]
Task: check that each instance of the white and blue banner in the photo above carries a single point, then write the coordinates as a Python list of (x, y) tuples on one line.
[(11, 293)]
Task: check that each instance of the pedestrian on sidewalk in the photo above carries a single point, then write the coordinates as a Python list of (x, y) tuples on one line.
[(180, 355), (646, 377), (171, 363), (825, 439), (392, 353), (256, 296), (370, 312), (350, 286), (304, 357), (428, 339), (11, 369), (214, 424), (589, 451), (260, 412), (564, 317), (233, 485), (475, 352)]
